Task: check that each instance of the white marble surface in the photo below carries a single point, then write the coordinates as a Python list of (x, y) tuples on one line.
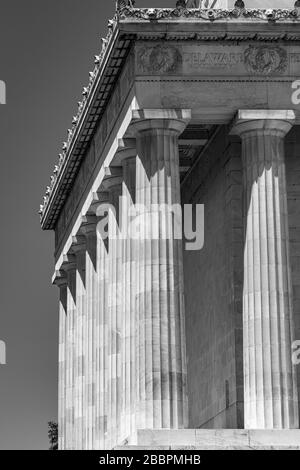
[(271, 400), (215, 439)]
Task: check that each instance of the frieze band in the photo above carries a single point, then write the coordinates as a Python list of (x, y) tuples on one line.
[(258, 60)]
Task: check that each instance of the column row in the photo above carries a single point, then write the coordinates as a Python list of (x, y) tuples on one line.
[(122, 334)]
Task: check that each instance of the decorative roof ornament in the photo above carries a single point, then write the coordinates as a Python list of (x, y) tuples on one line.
[(93, 75), (81, 105), (110, 25), (156, 14), (120, 4), (104, 43)]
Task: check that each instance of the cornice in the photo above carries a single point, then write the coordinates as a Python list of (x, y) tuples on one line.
[(239, 13), (95, 96)]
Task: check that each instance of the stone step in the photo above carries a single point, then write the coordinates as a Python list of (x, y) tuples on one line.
[(214, 439)]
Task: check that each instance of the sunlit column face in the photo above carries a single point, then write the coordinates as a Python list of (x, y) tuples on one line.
[(270, 385)]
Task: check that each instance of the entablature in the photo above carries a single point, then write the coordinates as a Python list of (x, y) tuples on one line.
[(133, 25)]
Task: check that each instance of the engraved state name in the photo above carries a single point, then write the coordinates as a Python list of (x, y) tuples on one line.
[(213, 59), (259, 60)]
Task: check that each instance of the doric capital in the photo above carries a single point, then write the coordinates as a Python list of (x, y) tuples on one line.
[(99, 198), (59, 279), (113, 178), (88, 225), (175, 120), (69, 262), (126, 150), (263, 120), (78, 244)]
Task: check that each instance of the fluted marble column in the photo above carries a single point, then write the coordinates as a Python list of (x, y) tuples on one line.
[(69, 267), (88, 260), (126, 156), (78, 249), (161, 352), (61, 282), (269, 376), (97, 254), (112, 185)]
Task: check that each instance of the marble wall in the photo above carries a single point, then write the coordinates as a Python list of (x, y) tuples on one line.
[(292, 150), (213, 290), (214, 281)]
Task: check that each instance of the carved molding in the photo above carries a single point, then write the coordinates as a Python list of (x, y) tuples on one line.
[(208, 14)]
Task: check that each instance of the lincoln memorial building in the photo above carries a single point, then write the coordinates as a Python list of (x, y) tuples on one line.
[(181, 327)]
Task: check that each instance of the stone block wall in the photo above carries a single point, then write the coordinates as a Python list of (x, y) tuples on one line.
[(292, 153), (214, 280), (213, 289)]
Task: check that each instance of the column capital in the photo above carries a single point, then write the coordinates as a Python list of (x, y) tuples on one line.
[(78, 244), (174, 120), (69, 262), (263, 120), (99, 198), (113, 177), (59, 279), (126, 150), (88, 225)]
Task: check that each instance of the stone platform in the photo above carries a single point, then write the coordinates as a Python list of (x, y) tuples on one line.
[(214, 439)]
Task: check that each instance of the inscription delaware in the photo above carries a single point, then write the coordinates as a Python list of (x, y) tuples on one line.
[(221, 59)]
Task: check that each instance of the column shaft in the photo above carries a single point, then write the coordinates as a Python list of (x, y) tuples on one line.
[(102, 342), (90, 345), (70, 355), (162, 393), (128, 425), (114, 308), (62, 283), (269, 375), (79, 248), (97, 250)]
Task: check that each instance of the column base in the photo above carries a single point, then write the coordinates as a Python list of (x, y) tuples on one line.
[(213, 439)]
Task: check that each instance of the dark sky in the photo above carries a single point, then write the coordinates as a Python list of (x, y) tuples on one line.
[(46, 52)]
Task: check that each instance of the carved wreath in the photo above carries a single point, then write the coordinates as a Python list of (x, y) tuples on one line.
[(265, 60)]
